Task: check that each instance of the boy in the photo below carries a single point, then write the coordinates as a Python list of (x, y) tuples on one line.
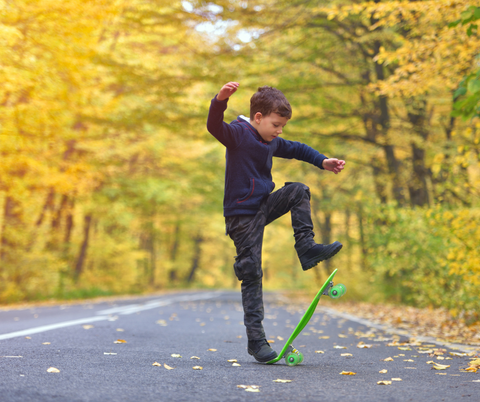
[(250, 205)]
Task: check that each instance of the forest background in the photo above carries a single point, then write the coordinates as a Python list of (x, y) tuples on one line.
[(111, 184)]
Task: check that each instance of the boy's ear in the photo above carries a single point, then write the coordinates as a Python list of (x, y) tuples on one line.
[(258, 117)]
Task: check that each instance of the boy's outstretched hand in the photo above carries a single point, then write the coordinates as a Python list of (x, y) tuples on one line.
[(227, 90), (333, 165)]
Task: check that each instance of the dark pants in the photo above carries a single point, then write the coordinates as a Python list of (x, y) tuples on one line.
[(246, 232)]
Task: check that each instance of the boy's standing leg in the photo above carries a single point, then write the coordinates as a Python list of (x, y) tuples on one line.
[(247, 234)]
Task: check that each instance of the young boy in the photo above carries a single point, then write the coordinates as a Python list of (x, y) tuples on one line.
[(250, 205)]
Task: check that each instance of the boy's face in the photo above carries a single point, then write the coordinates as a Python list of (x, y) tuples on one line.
[(269, 127)]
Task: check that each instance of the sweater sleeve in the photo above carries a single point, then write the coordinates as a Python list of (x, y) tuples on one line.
[(297, 150), (222, 131)]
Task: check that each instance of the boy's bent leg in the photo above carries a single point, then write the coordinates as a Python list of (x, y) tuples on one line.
[(296, 198)]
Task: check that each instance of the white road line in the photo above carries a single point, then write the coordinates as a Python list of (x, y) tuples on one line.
[(44, 328), (105, 314)]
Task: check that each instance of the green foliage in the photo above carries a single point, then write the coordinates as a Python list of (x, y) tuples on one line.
[(467, 96)]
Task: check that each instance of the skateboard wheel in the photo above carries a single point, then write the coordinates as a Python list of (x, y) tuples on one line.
[(301, 357), (337, 291), (292, 359)]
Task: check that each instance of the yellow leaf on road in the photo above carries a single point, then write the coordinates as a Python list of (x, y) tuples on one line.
[(347, 373), (120, 341), (157, 364), (346, 354), (339, 347), (175, 355), (235, 365), (195, 357), (53, 370), (168, 367), (384, 371), (283, 381), (46, 343), (438, 366), (197, 368), (384, 383), (397, 379), (319, 351), (363, 346), (212, 350), (232, 360), (87, 326), (388, 359)]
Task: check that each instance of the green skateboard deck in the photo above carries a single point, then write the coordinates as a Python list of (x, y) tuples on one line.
[(291, 355)]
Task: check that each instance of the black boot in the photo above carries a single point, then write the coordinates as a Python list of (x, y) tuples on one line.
[(261, 350), (318, 253)]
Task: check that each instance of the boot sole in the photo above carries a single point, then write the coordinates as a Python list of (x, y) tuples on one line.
[(322, 257)]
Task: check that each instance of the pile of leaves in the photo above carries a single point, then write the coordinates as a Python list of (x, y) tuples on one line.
[(436, 323)]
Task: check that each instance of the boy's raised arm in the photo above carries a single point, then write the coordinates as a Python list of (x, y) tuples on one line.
[(222, 131)]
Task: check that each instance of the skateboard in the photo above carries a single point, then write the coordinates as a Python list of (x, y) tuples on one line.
[(291, 355)]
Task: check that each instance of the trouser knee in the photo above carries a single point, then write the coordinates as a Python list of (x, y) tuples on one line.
[(299, 189)]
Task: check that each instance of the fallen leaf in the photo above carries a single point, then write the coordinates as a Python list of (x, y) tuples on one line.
[(457, 354), (46, 343), (197, 368), (168, 367), (397, 379), (410, 368), (87, 326), (404, 348), (388, 359), (384, 383), (175, 355), (232, 360), (157, 364), (342, 336), (384, 371), (120, 330), (346, 354), (471, 369), (283, 381), (323, 337), (248, 389), (248, 386), (120, 341), (438, 366), (163, 323), (109, 353), (279, 338), (431, 362), (195, 357), (339, 347), (235, 365), (408, 360), (271, 341), (347, 373), (53, 370), (440, 358), (212, 350), (319, 351), (363, 346), (475, 380)]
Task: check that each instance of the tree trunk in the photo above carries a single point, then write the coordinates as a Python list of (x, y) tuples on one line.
[(198, 240), (83, 249)]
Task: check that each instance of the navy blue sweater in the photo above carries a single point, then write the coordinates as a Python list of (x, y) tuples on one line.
[(248, 173)]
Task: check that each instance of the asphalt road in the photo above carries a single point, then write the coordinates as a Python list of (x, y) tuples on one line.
[(79, 341)]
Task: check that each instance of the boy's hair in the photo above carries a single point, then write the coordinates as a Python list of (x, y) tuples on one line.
[(269, 100)]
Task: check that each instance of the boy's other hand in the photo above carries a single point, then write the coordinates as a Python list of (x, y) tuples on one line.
[(227, 90), (333, 165)]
